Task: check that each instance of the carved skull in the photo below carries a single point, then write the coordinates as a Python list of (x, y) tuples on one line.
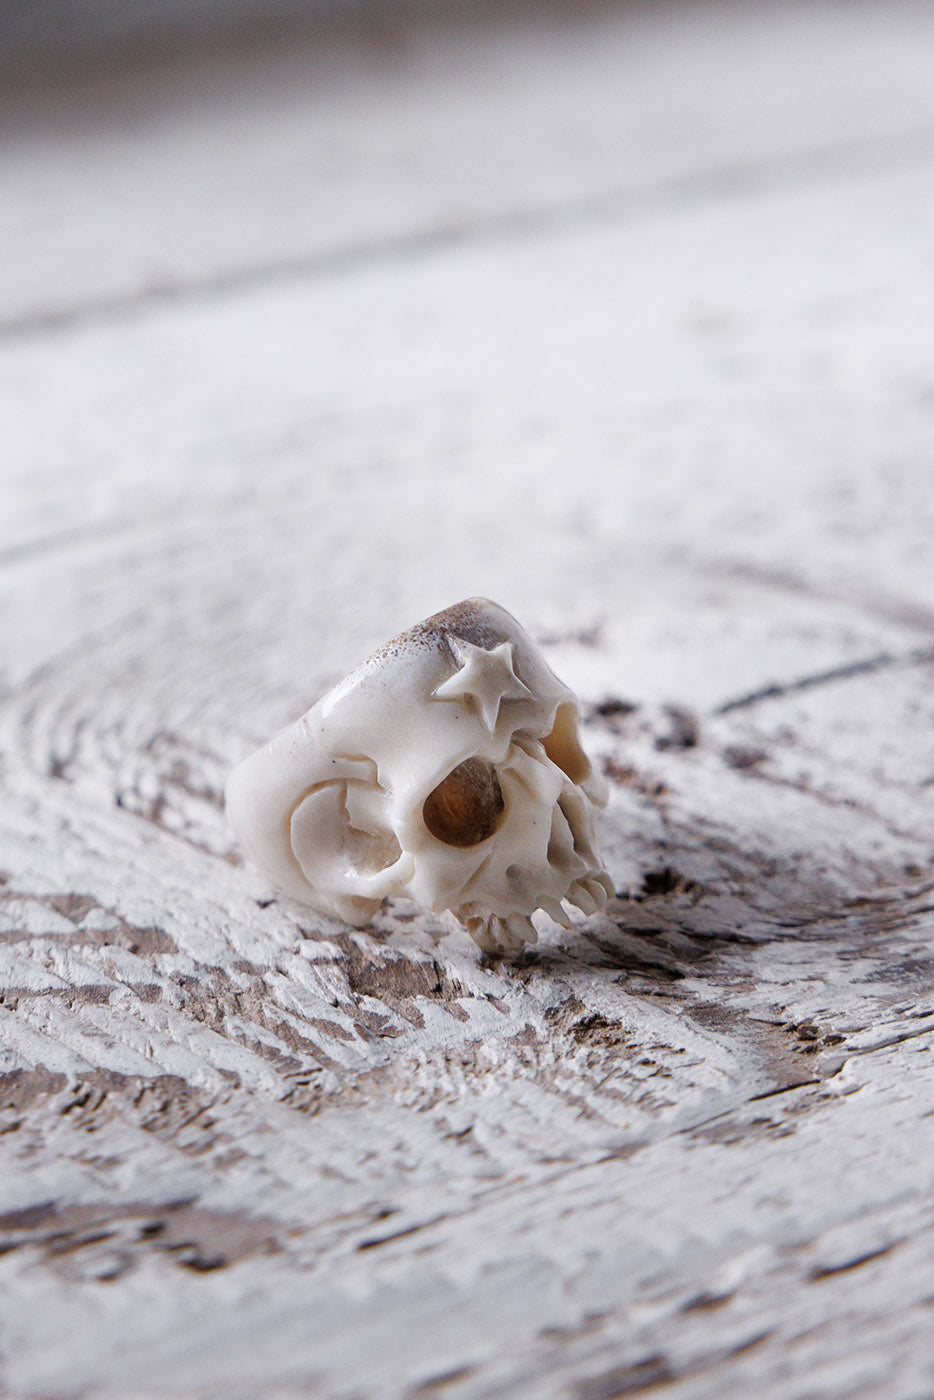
[(448, 768)]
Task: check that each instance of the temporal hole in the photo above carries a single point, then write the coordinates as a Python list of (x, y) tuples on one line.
[(562, 745), (370, 852), (467, 806)]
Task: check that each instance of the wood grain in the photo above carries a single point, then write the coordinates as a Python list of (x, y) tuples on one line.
[(685, 1148)]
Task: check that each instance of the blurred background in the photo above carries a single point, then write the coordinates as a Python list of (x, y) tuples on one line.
[(316, 318)]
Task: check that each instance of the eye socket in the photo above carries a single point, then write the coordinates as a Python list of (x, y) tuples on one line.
[(467, 806), (562, 745)]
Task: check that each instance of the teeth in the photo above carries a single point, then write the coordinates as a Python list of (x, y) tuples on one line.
[(482, 934), (606, 884), (595, 888), (581, 896), (507, 937), (589, 893), (497, 936), (521, 927), (555, 911)]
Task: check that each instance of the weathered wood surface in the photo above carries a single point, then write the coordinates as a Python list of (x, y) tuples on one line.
[(668, 396)]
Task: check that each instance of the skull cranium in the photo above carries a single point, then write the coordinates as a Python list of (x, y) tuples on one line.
[(448, 768)]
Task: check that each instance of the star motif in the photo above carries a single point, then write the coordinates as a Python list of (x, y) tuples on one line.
[(487, 676)]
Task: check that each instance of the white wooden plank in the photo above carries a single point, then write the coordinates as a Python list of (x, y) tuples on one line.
[(683, 1149), (212, 176)]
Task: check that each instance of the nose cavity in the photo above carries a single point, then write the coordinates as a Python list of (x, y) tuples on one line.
[(467, 806), (563, 747)]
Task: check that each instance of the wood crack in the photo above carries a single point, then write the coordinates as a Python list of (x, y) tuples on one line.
[(866, 159), (918, 656)]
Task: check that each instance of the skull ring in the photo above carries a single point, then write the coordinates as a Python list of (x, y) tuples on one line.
[(448, 768)]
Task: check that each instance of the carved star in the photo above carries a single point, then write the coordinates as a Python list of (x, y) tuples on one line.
[(488, 676)]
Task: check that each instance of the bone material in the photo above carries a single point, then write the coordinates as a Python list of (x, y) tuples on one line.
[(448, 768)]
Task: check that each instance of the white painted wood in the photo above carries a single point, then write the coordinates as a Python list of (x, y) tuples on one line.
[(684, 1149), (262, 167)]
